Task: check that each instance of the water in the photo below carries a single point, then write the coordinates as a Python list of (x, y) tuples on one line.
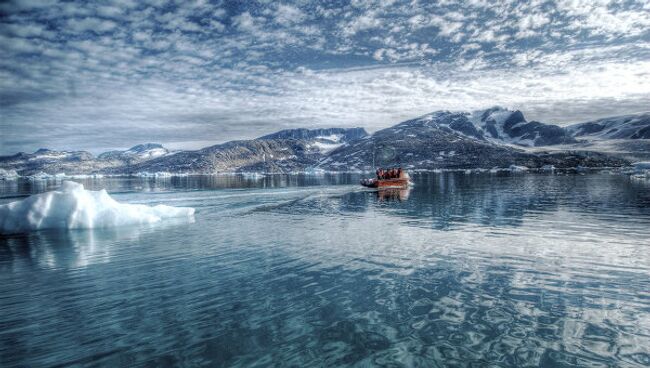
[(462, 270)]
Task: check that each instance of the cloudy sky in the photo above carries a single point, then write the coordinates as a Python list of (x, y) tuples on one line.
[(102, 75)]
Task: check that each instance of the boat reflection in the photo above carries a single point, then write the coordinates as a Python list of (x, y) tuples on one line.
[(393, 194)]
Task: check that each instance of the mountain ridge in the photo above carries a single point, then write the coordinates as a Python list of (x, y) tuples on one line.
[(442, 139)]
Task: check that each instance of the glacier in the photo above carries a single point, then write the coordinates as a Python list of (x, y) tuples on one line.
[(74, 207)]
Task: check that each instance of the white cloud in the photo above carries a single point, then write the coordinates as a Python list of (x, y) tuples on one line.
[(287, 14), (89, 24), (145, 66), (361, 23), (246, 22)]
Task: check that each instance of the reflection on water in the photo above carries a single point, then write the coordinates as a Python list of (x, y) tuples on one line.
[(393, 194), (460, 270)]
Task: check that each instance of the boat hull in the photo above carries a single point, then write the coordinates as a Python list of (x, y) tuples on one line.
[(386, 183)]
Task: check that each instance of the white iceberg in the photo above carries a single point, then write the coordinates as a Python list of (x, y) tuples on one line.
[(73, 207), (315, 171), (516, 168), (252, 175)]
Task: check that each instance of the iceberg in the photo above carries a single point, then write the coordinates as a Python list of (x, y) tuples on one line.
[(516, 168), (252, 175), (74, 207)]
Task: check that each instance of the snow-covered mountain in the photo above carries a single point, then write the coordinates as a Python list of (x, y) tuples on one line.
[(442, 139), (497, 125), (139, 153), (620, 127), (337, 134), (449, 140), (320, 140), (79, 162)]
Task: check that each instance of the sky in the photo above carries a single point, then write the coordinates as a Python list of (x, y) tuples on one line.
[(111, 74)]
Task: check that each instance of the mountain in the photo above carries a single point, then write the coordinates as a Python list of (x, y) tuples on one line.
[(135, 154), (619, 127), (78, 162), (258, 155), (322, 140), (329, 134), (50, 161), (442, 139), (460, 141), (288, 150), (498, 125)]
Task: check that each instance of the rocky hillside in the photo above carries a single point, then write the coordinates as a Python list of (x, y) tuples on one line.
[(257, 155)]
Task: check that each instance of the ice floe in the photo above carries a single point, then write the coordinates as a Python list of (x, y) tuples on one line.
[(74, 207)]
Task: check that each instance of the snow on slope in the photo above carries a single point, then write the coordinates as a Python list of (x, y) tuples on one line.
[(147, 151), (620, 127), (76, 208), (328, 143), (497, 125), (325, 147)]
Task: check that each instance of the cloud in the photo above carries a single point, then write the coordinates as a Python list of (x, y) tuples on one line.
[(287, 14), (90, 25), (197, 71)]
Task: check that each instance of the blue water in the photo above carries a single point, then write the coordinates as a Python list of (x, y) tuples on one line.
[(462, 270)]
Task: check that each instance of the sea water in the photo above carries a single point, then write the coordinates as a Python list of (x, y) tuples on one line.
[(505, 270)]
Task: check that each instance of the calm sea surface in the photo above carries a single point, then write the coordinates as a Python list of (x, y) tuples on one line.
[(477, 270)]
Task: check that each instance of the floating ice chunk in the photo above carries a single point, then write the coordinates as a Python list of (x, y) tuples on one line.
[(157, 174), (548, 168), (73, 207), (252, 175), (316, 171), (516, 168), (40, 176)]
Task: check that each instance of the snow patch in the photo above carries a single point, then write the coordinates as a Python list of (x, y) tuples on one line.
[(8, 174), (74, 207)]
